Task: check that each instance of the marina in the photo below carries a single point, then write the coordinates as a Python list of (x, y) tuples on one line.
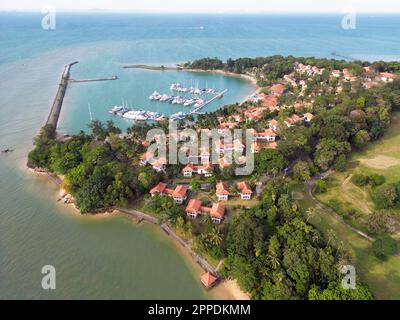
[(191, 99)]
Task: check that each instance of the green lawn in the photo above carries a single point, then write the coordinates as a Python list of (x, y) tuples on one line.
[(380, 157), (382, 277)]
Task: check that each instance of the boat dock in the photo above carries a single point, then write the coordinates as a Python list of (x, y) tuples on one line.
[(94, 80), (219, 95), (58, 101)]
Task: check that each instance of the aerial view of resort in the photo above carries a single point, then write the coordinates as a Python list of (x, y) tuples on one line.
[(223, 151)]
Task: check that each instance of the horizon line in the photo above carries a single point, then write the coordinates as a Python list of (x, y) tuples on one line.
[(95, 10)]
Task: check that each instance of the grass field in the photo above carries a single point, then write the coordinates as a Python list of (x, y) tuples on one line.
[(382, 277), (380, 157), (354, 204)]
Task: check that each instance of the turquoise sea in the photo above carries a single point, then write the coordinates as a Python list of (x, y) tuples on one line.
[(113, 257)]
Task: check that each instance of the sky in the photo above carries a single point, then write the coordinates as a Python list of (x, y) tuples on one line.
[(209, 6)]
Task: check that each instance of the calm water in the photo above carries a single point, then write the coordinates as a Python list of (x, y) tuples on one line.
[(112, 257)]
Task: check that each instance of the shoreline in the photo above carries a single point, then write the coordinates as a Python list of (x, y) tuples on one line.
[(225, 290), (245, 77)]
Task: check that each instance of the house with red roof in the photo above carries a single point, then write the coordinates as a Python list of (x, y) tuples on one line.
[(336, 73), (179, 193), (222, 191), (293, 120), (277, 89), (204, 169), (195, 208), (158, 164), (270, 102), (208, 280), (386, 76), (244, 190), (222, 147), (267, 135)]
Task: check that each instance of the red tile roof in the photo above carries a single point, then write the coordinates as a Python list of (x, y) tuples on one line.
[(180, 191), (193, 206), (222, 188), (208, 279), (217, 210), (266, 133), (270, 101), (277, 89), (160, 188), (244, 187)]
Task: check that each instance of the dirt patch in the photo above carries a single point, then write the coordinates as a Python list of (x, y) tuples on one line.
[(360, 200), (297, 195), (381, 162)]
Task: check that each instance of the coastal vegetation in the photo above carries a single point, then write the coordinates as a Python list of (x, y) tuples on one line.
[(274, 249), (98, 167)]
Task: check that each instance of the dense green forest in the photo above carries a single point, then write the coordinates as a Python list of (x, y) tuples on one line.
[(275, 254), (99, 168)]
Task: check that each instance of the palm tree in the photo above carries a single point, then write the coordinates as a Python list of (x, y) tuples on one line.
[(215, 237), (331, 236), (275, 262), (310, 213)]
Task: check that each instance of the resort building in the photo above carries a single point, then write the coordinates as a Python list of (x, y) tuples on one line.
[(208, 280), (244, 190), (195, 208), (336, 73), (267, 135), (222, 191), (270, 102), (386, 76), (158, 164), (204, 169), (293, 120), (277, 89), (222, 147), (179, 194)]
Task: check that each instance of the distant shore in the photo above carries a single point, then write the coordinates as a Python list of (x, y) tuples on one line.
[(246, 77)]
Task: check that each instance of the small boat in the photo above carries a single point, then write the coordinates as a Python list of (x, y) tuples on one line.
[(122, 111), (199, 103), (178, 116), (165, 97), (155, 96), (189, 102), (7, 150), (115, 109)]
